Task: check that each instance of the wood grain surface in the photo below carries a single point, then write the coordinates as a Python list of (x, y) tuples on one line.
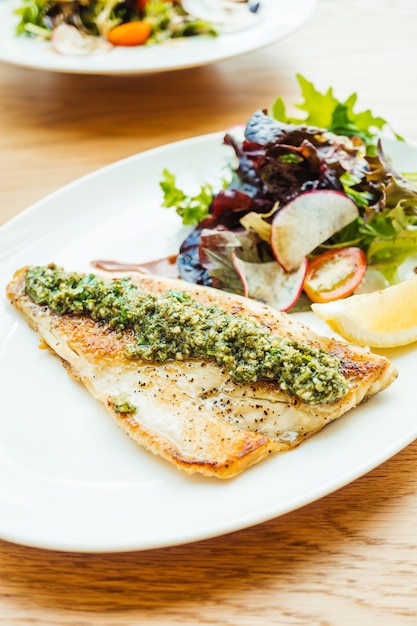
[(349, 558)]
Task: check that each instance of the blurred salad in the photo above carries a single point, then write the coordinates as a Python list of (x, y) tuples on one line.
[(77, 27), (309, 208)]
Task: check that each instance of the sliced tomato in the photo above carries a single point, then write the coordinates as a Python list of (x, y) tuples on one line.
[(334, 274)]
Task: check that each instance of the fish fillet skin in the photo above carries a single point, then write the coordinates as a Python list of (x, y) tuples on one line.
[(192, 413)]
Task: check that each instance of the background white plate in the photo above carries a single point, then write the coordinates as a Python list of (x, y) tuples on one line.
[(69, 478), (278, 18)]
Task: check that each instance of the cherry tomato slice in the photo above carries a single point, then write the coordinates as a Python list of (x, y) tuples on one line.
[(334, 274)]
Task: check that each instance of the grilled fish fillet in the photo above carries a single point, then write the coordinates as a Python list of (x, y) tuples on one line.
[(191, 412)]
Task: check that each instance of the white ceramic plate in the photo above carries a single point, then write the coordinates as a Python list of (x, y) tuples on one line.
[(277, 18), (69, 478)]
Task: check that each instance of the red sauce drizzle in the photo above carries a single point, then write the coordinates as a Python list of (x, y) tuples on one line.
[(166, 266)]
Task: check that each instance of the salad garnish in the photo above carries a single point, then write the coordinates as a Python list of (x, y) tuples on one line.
[(77, 27), (320, 164)]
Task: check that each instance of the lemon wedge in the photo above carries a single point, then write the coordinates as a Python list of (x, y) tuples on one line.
[(381, 319)]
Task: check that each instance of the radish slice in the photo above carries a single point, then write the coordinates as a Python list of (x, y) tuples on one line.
[(270, 283), (69, 41), (308, 221)]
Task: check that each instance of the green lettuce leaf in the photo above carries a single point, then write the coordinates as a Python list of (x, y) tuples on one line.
[(324, 110), (387, 255)]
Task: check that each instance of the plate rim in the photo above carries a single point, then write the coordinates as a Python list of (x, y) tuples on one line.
[(13, 48)]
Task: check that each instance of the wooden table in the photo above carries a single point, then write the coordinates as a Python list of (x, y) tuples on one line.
[(350, 558)]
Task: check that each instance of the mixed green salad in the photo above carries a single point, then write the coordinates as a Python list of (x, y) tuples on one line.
[(86, 26), (309, 208)]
